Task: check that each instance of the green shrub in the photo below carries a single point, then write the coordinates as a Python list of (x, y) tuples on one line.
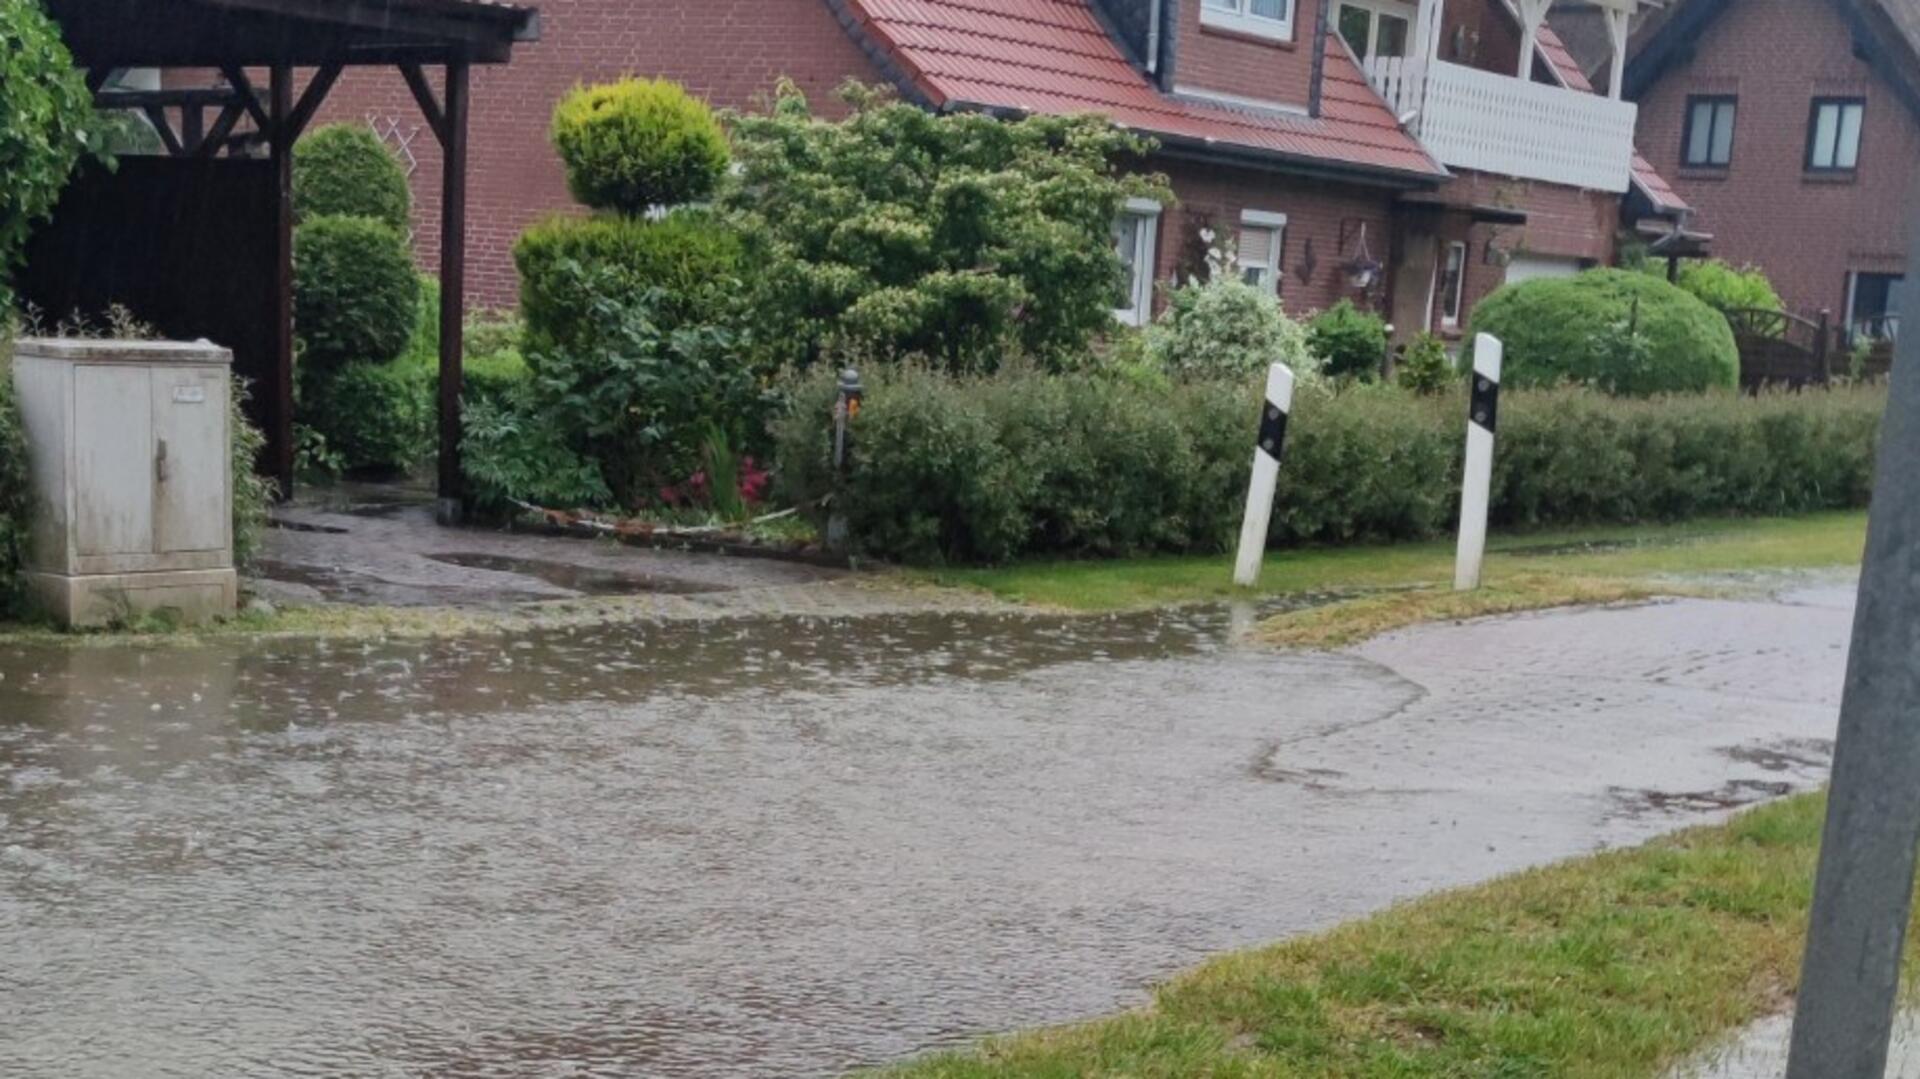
[(1025, 464), (16, 492), (375, 417), (1426, 367), (1615, 330), (1722, 286), (355, 293), (1348, 341), (1226, 326), (253, 494), (345, 170), (638, 143), (511, 453), (961, 238), (636, 395), (690, 259)]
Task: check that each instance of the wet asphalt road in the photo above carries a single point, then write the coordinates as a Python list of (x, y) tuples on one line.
[(791, 847)]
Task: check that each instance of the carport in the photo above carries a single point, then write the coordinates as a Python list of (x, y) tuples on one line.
[(198, 240)]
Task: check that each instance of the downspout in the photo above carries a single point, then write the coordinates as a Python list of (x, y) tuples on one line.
[(1153, 38), (1319, 60)]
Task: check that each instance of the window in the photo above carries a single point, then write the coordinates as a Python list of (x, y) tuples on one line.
[(1453, 280), (1833, 134), (1873, 305), (1134, 232), (1376, 27), (1708, 142), (1264, 18), (1262, 238)]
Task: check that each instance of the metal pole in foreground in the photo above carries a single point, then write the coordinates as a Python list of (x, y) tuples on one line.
[(846, 407), (1476, 491), (1266, 475), (1863, 893)]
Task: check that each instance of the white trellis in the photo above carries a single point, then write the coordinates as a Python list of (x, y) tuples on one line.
[(398, 138)]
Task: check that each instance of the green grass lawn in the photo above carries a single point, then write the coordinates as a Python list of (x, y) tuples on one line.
[(1613, 965), (1696, 548)]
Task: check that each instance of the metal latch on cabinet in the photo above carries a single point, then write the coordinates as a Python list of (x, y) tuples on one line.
[(160, 462)]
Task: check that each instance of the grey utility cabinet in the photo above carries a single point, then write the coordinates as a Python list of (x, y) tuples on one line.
[(128, 444)]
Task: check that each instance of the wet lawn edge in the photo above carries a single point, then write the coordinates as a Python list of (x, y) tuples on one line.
[(1622, 963)]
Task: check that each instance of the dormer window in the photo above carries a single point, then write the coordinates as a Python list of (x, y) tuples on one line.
[(1376, 27), (1261, 18)]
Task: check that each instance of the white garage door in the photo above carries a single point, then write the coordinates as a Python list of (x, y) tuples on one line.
[(1528, 267)]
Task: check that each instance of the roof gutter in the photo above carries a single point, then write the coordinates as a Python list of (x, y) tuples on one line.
[(1318, 168)]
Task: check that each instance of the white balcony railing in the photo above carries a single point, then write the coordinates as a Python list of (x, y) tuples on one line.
[(1475, 119)]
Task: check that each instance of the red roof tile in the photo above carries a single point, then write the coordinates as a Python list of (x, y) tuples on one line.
[(1054, 57), (1651, 183)]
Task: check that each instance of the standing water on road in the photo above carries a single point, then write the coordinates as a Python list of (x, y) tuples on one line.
[(791, 846)]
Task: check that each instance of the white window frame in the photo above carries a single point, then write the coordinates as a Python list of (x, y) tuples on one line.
[(1453, 299), (1375, 9), (1145, 249), (1238, 16), (1275, 223)]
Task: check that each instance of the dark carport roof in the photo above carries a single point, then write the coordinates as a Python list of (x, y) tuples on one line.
[(300, 33)]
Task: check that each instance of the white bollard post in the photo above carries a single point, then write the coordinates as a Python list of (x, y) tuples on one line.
[(1483, 414), (1266, 475)]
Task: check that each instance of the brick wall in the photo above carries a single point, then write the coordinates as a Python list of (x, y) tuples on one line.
[(1317, 215), (729, 51), (1807, 232), (1255, 67)]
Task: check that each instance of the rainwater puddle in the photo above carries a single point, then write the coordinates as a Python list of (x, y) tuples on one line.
[(760, 847), (587, 580)]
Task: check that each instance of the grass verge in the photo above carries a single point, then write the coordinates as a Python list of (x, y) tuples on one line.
[(1695, 548), (1618, 964), (1347, 622)]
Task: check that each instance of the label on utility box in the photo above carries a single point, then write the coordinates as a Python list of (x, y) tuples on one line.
[(189, 395)]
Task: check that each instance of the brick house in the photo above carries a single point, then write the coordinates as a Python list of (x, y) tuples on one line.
[(1793, 129), (1325, 137)]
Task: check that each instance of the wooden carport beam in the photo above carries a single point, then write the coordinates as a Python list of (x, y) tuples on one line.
[(448, 120)]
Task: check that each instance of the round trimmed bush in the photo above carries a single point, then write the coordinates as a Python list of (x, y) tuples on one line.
[(354, 291), (638, 143), (345, 169), (1616, 330)]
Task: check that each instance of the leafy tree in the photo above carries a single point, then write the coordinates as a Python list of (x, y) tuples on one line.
[(1723, 286), (962, 238), (47, 124), (354, 292)]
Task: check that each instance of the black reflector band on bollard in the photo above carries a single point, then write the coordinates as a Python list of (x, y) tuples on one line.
[(1485, 406), (1273, 430)]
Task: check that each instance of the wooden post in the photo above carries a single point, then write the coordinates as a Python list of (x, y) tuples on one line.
[(277, 398), (453, 286)]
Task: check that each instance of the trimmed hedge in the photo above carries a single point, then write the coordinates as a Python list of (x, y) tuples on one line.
[(346, 169), (355, 293), (376, 417), (689, 256), (1615, 330), (1021, 464)]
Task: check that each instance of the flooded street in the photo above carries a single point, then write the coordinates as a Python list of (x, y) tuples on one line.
[(797, 846)]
